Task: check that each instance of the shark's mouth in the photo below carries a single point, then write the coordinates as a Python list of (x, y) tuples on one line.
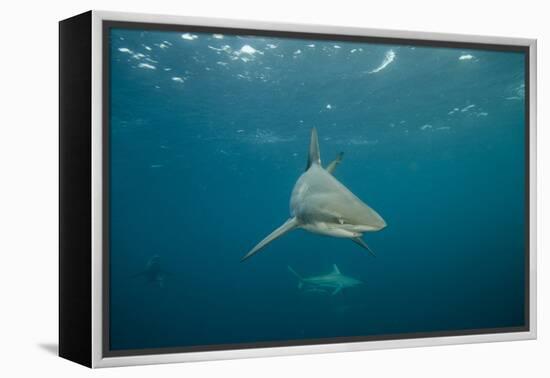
[(332, 229)]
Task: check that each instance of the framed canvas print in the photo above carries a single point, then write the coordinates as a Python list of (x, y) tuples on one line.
[(237, 189)]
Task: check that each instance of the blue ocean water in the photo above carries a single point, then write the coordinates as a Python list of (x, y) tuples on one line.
[(209, 133)]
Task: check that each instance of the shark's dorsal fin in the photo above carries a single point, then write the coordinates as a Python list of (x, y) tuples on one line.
[(314, 157), (335, 269), (332, 166)]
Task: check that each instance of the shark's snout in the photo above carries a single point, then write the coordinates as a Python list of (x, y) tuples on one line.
[(376, 222), (381, 224), (372, 222)]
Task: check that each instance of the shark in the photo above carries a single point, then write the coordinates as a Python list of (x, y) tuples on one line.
[(321, 204), (332, 282), (153, 273)]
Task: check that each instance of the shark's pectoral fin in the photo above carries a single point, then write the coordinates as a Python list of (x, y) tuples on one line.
[(337, 290), (362, 243), (289, 225), (333, 164), (300, 282), (294, 273)]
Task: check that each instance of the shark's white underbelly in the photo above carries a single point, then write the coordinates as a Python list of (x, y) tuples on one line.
[(329, 229)]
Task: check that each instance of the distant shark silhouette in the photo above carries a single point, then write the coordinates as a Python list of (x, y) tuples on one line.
[(323, 205), (332, 282), (153, 273)]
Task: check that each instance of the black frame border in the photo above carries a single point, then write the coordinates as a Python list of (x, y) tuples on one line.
[(107, 25), (75, 189)]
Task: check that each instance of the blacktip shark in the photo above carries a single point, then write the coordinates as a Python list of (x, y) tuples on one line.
[(323, 205), (332, 282)]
